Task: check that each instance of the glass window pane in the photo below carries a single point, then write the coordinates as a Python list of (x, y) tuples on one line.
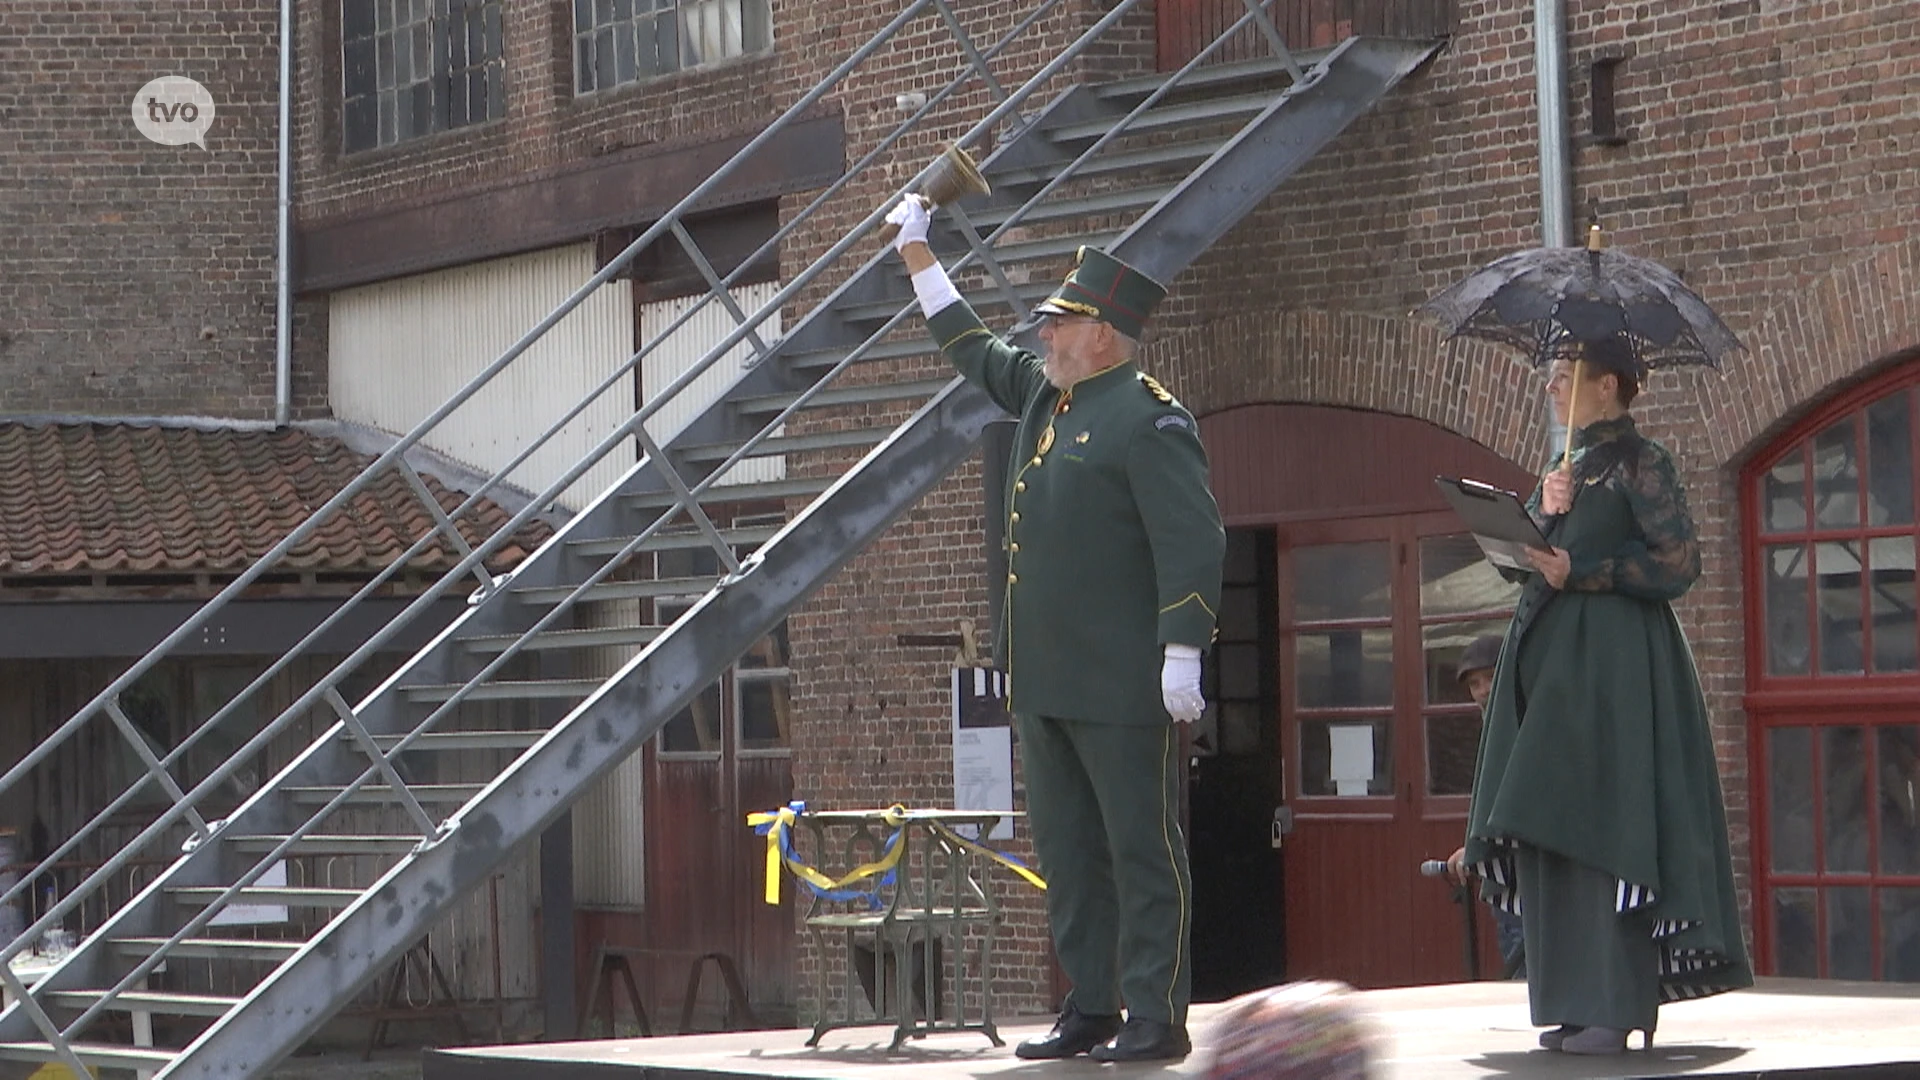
[(1239, 671), (1239, 613), (1794, 953), (1790, 800), (1836, 476), (1346, 757), (1838, 567), (356, 19), (1789, 648), (1899, 774), (1453, 748), (1890, 592), (766, 714), (1890, 461), (1457, 579), (1442, 646), (1344, 669), (1849, 934), (770, 651), (1784, 491), (1843, 775), (696, 728), (1241, 725), (1900, 935), (1342, 581), (1242, 566)]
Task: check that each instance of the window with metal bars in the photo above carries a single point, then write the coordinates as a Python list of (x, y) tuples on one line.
[(416, 67), (616, 42)]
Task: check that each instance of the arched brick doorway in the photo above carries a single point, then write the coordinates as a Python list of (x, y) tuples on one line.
[(1350, 592)]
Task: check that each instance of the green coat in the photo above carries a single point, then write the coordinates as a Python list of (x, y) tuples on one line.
[(1114, 543), (1597, 745)]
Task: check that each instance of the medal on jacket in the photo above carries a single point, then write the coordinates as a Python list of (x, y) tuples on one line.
[(1046, 441)]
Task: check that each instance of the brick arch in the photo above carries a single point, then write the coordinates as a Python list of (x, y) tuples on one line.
[(1839, 328), (1356, 360)]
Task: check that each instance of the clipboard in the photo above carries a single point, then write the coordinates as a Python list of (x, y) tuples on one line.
[(1498, 520)]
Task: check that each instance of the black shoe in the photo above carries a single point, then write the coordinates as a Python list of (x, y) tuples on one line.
[(1145, 1040), (1074, 1033)]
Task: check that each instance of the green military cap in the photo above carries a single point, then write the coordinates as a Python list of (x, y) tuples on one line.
[(1106, 289)]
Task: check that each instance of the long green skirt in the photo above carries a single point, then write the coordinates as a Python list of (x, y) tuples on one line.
[(1587, 963)]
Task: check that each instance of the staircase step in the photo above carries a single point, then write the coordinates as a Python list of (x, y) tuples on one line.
[(102, 1055), (148, 1001), (1130, 162), (383, 795), (792, 444), (917, 344), (768, 404), (1128, 200), (275, 895), (328, 845), (513, 690), (620, 590), (469, 740), (210, 948), (1238, 107), (566, 639), (1211, 75), (1052, 247), (1030, 293), (676, 540)]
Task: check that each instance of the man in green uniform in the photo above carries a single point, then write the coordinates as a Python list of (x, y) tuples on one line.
[(1114, 552)]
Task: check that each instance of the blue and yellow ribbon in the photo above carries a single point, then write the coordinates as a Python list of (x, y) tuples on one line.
[(777, 827), (1008, 861)]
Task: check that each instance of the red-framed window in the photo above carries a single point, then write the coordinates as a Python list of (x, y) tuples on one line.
[(1829, 533)]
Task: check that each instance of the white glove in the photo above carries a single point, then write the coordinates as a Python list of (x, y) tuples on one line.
[(910, 214), (1180, 683)]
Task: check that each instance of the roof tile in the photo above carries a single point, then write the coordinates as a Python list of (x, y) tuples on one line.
[(145, 498)]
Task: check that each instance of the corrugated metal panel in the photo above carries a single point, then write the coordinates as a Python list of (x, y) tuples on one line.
[(609, 821), (399, 349), (685, 347)]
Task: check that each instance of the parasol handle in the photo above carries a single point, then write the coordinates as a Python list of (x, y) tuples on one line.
[(1573, 400)]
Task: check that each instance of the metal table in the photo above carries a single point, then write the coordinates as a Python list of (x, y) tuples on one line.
[(917, 939)]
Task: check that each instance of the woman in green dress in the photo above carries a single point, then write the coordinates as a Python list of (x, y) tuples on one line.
[(1596, 805)]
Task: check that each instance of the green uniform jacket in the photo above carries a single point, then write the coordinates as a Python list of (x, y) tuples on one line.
[(1114, 543), (1597, 745)]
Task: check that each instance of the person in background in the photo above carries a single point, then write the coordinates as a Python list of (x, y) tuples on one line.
[(1114, 559), (1475, 673)]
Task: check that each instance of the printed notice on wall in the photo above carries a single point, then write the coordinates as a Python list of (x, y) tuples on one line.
[(982, 745)]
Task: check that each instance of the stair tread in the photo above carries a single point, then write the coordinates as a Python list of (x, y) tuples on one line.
[(201, 947), (151, 1001), (567, 639), (283, 895), (320, 794), (759, 490), (108, 1054)]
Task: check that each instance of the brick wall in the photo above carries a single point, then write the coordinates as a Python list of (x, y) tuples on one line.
[(139, 277)]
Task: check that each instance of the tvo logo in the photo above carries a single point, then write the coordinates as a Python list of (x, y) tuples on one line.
[(173, 110)]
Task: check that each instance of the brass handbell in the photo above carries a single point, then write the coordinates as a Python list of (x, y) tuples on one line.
[(951, 175)]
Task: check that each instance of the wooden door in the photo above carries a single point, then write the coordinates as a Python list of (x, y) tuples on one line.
[(1378, 741)]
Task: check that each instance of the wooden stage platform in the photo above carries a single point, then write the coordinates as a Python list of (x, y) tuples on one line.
[(1780, 1030)]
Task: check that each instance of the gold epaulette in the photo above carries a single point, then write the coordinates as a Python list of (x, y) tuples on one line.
[(1153, 386)]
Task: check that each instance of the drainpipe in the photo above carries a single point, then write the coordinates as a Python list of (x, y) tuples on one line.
[(283, 261), (1556, 167)]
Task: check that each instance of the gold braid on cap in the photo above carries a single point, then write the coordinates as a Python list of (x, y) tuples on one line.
[(1075, 306)]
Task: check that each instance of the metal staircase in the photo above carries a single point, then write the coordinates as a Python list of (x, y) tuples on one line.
[(1156, 169)]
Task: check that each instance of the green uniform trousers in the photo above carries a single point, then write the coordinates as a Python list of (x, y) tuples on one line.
[(1587, 964), (1103, 803)]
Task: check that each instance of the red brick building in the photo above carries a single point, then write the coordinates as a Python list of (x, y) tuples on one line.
[(1761, 148)]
